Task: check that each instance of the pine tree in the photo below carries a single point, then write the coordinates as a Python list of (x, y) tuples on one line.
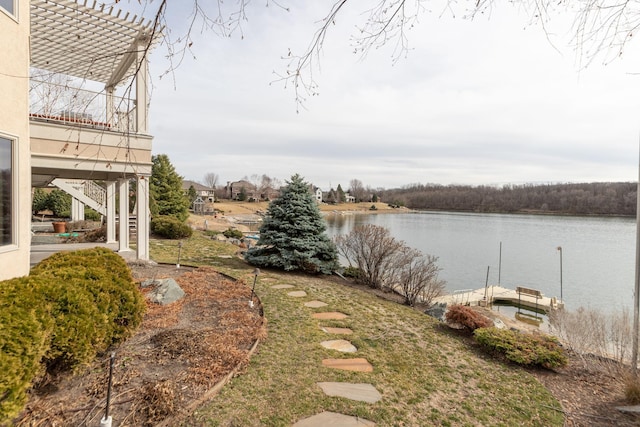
[(292, 236), (166, 190), (341, 196)]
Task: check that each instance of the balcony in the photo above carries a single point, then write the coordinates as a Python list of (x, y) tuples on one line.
[(88, 92)]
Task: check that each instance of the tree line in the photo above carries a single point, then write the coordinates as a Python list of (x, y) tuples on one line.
[(596, 198)]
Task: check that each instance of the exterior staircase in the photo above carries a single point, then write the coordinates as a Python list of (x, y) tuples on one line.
[(86, 191)]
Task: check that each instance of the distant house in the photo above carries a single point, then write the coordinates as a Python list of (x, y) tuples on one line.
[(242, 189), (207, 194), (349, 198), (317, 192)]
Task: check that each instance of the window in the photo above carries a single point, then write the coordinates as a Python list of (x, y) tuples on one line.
[(6, 192), (8, 5)]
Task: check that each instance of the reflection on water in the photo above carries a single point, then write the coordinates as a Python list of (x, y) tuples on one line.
[(524, 315)]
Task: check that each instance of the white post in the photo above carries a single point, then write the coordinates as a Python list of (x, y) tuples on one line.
[(111, 212), (142, 217), (636, 292), (123, 187), (141, 92), (110, 107), (77, 210)]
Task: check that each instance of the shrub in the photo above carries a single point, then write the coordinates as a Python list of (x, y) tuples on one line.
[(353, 272), (632, 389), (95, 303), (91, 215), (523, 349), (25, 327), (232, 233), (170, 227), (466, 317)]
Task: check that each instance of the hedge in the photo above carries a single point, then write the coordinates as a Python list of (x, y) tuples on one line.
[(72, 306), (522, 348), (25, 330), (170, 227)]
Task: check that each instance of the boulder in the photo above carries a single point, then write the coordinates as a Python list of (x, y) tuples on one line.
[(437, 311), (165, 292)]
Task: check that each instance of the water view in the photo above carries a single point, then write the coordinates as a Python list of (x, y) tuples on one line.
[(598, 254)]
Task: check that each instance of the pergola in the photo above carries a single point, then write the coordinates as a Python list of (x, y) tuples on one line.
[(90, 41)]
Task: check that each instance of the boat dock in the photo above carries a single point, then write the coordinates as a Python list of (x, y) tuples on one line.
[(523, 297)]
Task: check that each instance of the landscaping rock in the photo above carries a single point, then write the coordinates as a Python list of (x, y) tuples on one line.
[(166, 291), (437, 311)]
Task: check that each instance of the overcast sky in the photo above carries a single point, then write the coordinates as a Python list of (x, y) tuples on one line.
[(488, 101)]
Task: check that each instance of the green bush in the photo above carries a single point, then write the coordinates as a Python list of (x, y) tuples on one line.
[(170, 227), (25, 328), (91, 215), (95, 303), (232, 233), (72, 306), (521, 348), (466, 317), (353, 272), (60, 203)]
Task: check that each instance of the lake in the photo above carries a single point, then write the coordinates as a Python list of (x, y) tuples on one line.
[(598, 254)]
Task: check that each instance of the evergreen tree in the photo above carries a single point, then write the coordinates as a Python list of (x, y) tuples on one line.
[(292, 236), (167, 197), (341, 197), (192, 194)]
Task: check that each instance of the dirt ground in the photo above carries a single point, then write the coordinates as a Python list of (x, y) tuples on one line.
[(182, 351), (170, 366)]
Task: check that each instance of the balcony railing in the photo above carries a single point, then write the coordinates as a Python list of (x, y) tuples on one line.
[(63, 103)]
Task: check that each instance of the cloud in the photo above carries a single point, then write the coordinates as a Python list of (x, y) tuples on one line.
[(488, 101)]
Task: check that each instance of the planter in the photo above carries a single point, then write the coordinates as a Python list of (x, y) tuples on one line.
[(59, 227)]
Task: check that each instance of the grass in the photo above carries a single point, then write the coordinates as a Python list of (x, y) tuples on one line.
[(426, 375)]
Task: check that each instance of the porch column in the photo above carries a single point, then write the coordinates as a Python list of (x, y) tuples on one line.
[(123, 190), (111, 212), (110, 106), (77, 210), (142, 217), (141, 93)]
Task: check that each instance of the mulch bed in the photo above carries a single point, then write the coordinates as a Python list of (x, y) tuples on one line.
[(177, 356)]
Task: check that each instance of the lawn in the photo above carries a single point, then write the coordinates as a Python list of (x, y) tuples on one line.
[(427, 374)]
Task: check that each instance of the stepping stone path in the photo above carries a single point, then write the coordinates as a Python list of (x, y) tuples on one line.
[(282, 286), (332, 315), (297, 294), (339, 345), (315, 304), (358, 364), (324, 419), (337, 331), (360, 392)]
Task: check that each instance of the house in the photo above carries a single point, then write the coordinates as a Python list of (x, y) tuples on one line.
[(317, 193), (207, 194), (241, 189), (93, 143)]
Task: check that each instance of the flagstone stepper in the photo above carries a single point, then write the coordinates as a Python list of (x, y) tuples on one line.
[(331, 315), (360, 392), (339, 345), (327, 418), (297, 294), (315, 304), (337, 331), (358, 364), (282, 286)]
